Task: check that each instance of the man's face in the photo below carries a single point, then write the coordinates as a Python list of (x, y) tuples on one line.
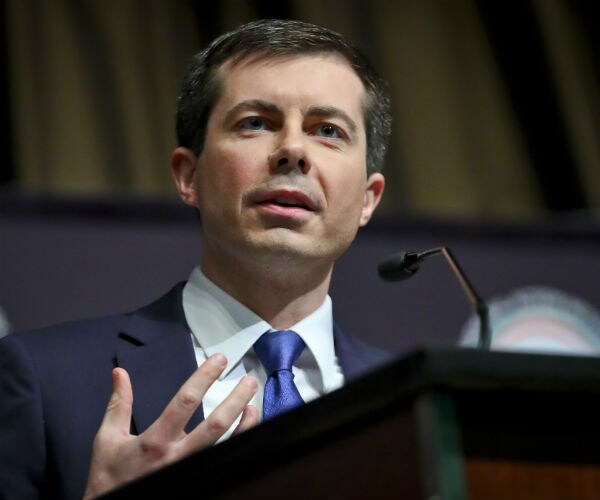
[(282, 175)]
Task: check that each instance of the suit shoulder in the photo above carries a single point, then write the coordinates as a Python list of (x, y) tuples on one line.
[(370, 352), (97, 333), (356, 356), (72, 332)]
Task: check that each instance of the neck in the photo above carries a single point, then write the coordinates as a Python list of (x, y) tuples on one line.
[(282, 295)]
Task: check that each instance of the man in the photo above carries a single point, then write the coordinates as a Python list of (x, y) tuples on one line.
[(282, 128)]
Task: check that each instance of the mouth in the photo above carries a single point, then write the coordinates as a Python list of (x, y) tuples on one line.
[(287, 200)]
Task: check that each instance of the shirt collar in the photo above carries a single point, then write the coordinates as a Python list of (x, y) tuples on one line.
[(220, 323)]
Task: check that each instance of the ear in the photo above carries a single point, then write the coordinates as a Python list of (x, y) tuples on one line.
[(373, 193), (183, 170)]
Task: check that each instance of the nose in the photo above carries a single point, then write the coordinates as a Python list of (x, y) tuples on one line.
[(290, 151)]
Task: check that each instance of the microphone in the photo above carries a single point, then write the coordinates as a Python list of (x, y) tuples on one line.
[(403, 265)]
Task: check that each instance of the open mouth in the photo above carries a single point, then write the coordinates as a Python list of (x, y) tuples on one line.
[(288, 202)]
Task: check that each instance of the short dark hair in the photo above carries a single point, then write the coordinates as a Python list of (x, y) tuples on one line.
[(273, 38)]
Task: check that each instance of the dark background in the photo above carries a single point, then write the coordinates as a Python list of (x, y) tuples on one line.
[(69, 259)]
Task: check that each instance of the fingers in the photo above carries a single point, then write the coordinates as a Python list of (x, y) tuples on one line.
[(223, 417), (113, 431), (250, 417), (117, 417), (170, 425), (119, 457)]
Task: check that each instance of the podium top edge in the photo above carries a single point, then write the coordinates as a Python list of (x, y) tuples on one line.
[(472, 368)]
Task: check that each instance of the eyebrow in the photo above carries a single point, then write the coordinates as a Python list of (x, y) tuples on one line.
[(251, 105)]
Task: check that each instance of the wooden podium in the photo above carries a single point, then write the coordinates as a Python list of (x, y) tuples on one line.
[(437, 424)]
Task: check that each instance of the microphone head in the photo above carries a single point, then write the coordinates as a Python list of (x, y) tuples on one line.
[(398, 267)]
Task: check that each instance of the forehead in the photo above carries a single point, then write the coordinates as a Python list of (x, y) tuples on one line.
[(303, 80)]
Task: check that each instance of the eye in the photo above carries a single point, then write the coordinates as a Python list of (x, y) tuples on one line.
[(329, 130), (253, 123)]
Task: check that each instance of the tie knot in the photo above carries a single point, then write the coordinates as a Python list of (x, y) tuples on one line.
[(278, 350)]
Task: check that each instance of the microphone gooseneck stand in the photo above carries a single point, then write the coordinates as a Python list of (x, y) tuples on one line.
[(405, 264)]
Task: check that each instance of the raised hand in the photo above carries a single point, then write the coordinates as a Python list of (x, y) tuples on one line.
[(119, 457)]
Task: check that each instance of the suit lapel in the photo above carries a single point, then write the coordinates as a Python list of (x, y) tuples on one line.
[(156, 350)]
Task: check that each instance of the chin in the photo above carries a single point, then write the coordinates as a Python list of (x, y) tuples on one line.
[(289, 245)]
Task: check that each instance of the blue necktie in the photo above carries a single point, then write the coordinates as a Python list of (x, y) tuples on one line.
[(277, 352)]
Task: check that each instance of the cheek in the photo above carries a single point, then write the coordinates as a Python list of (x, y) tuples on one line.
[(225, 173), (345, 210), (345, 183), (347, 192)]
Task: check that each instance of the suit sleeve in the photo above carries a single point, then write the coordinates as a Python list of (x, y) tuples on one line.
[(22, 449)]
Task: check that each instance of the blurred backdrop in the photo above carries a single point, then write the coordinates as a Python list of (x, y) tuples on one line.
[(496, 103), (495, 152)]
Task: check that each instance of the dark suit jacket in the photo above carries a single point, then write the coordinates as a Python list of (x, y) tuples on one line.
[(55, 384)]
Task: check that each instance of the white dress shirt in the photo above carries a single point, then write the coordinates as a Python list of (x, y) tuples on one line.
[(221, 324)]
